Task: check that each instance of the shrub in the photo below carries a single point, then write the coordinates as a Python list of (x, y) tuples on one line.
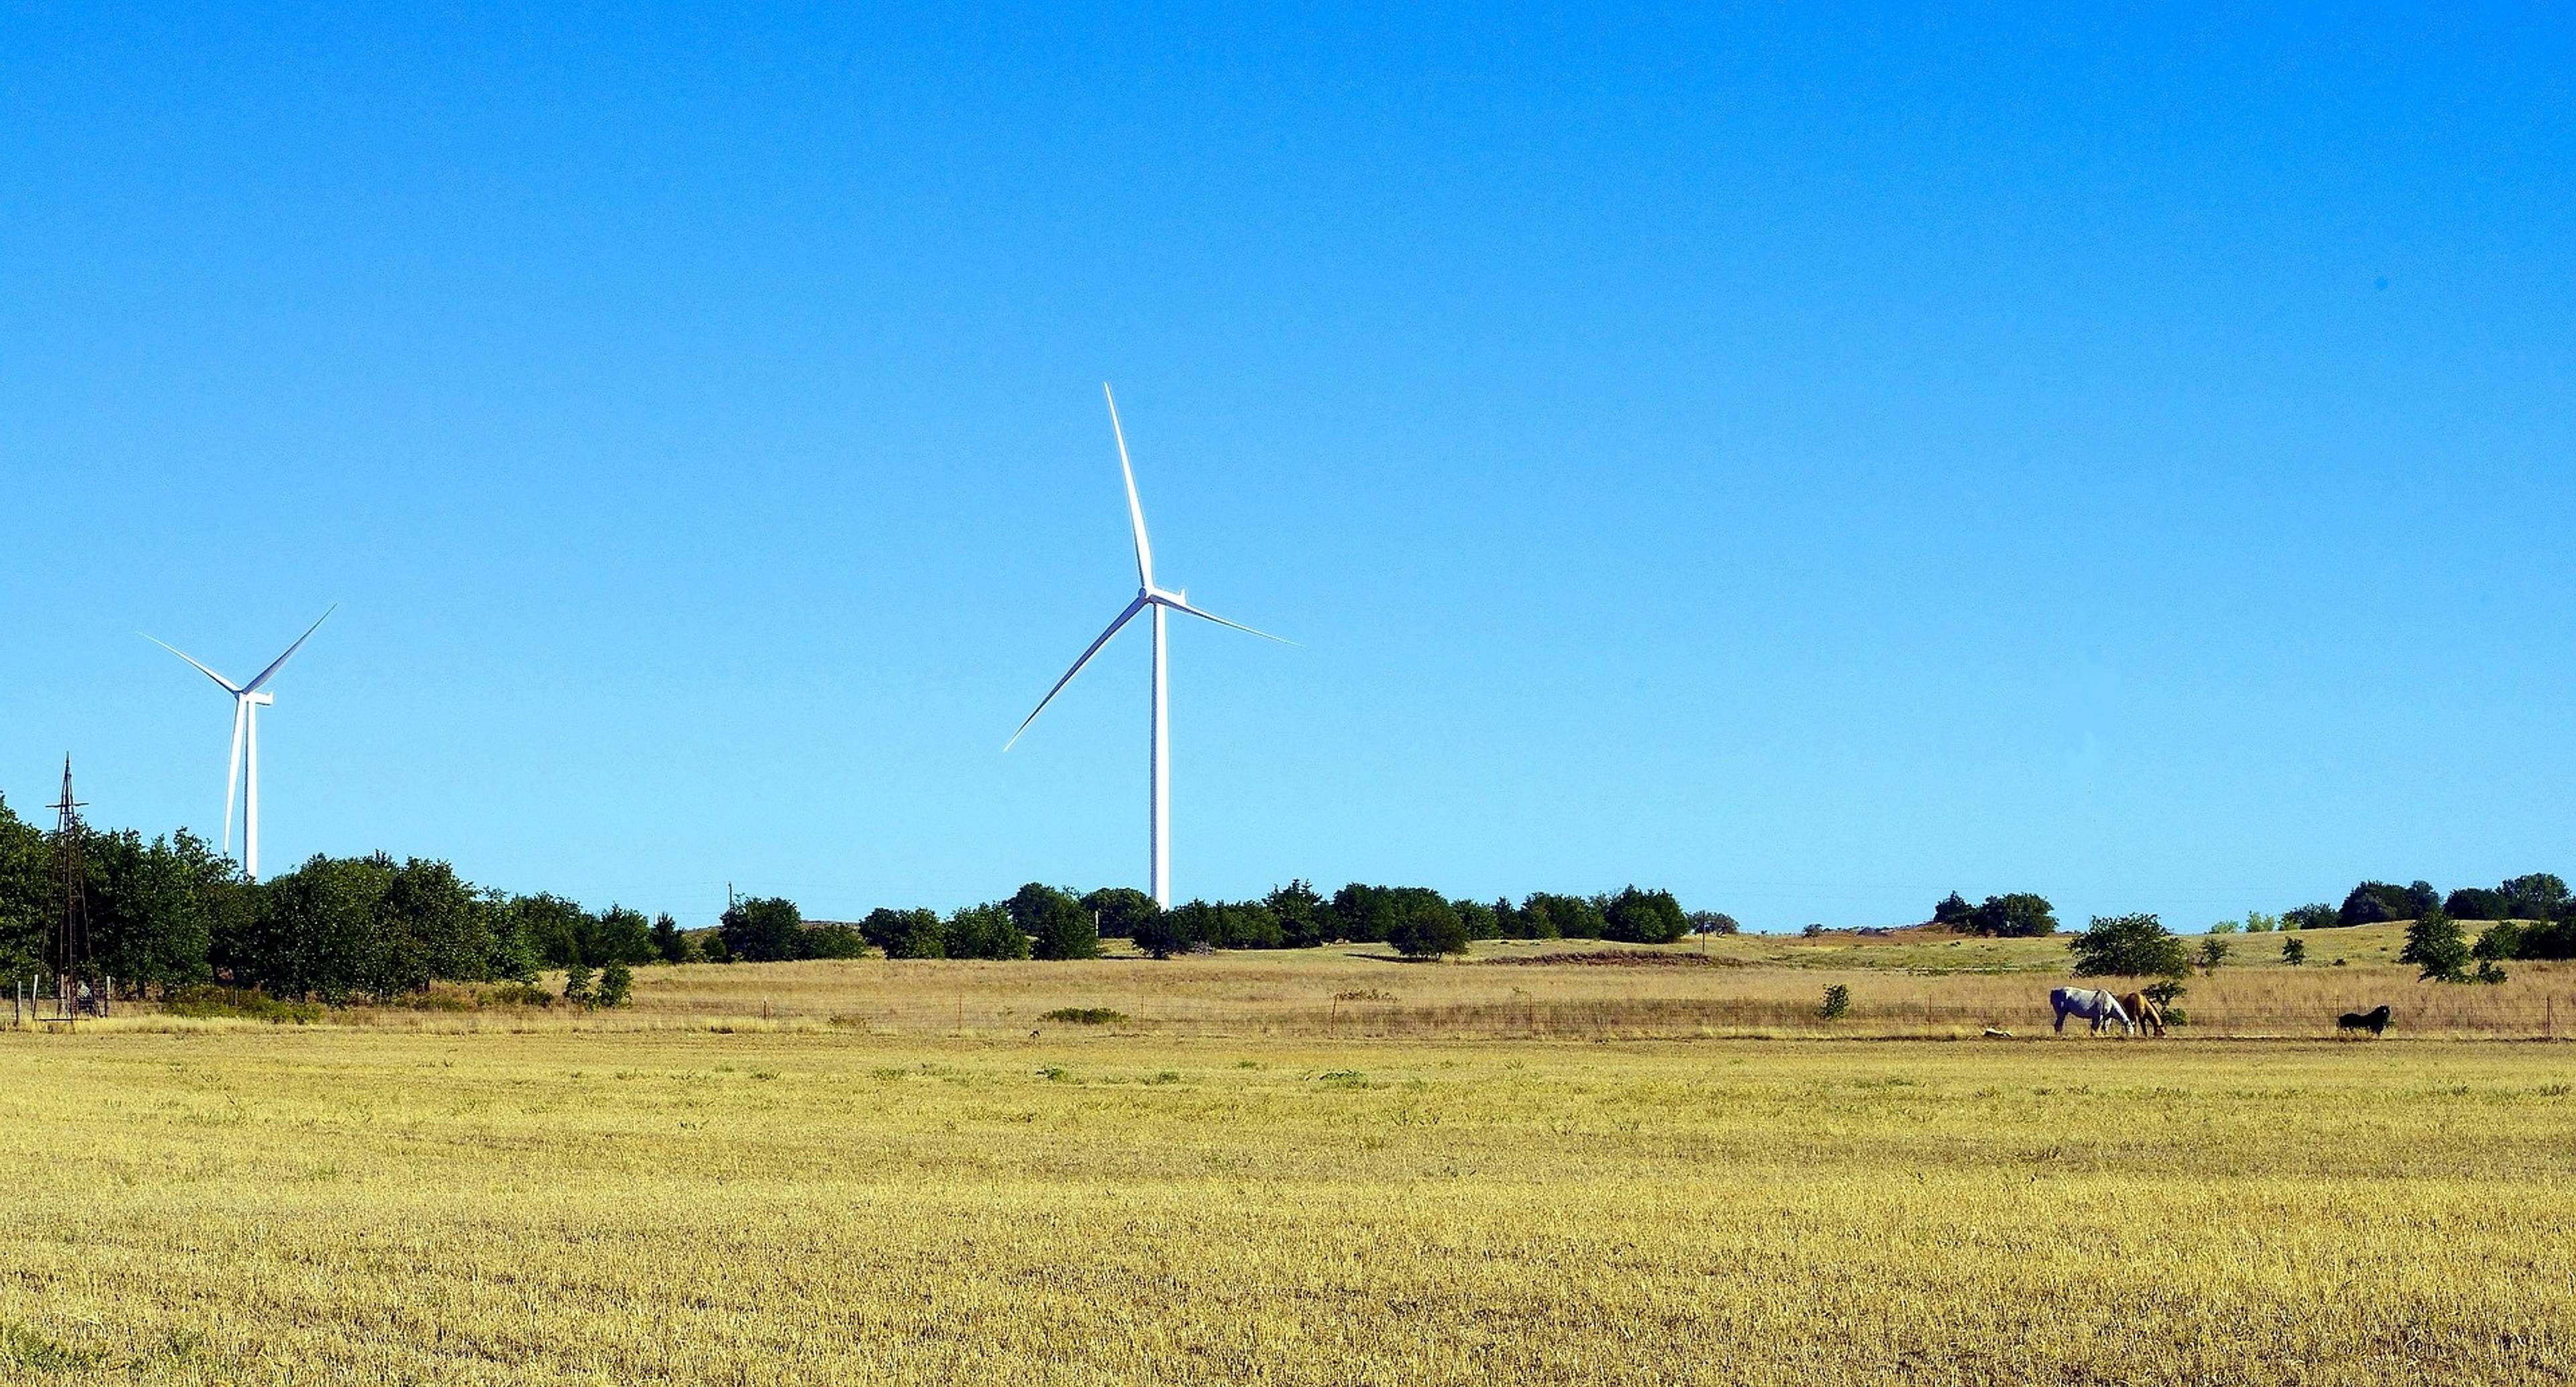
[(2130, 945), (1083, 1016), (712, 947), (2256, 922), (2436, 947), (518, 994), (1837, 1002), (2213, 952), (205, 1001), (2225, 927), (577, 987), (616, 983), (2294, 951)]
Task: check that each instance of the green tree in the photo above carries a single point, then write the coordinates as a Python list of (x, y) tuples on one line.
[(2318, 916), (2537, 896), (712, 947), (1055, 922), (1643, 917), (1713, 922), (2501, 941), (2018, 915), (906, 933), (579, 988), (1953, 910), (151, 907), (2294, 952), (2128, 946), (1305, 918), (1564, 917), (1119, 908), (1479, 918), (1837, 1002), (2435, 946), (986, 931), (669, 944), (616, 983), (764, 929), (2477, 903), (618, 934), (2213, 952), (831, 939), (1421, 925)]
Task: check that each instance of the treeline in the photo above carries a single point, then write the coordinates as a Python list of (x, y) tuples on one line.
[(2534, 915), (171, 913), (1050, 922)]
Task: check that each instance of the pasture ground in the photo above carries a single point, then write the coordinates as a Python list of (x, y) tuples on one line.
[(805, 1202)]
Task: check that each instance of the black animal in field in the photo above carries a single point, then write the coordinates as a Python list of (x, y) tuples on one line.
[(2374, 1020)]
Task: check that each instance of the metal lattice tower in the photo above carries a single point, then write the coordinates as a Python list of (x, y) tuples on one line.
[(71, 936)]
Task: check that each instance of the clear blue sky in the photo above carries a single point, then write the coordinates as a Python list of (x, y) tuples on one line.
[(1810, 463)]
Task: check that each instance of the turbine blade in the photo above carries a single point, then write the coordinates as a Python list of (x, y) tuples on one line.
[(273, 666), (1123, 618), (1135, 508), (1178, 605), (229, 686)]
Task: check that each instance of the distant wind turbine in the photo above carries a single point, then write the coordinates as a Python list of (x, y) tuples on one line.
[(241, 769), (1156, 600)]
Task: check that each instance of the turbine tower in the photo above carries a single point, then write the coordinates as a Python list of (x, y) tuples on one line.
[(1156, 601), (241, 769)]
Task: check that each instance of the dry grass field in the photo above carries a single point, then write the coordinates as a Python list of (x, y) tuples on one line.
[(1906, 985), (1319, 1167), (334, 1204)]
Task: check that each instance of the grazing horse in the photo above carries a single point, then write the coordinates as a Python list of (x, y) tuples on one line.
[(2374, 1020), (2091, 1003), (2143, 1010)]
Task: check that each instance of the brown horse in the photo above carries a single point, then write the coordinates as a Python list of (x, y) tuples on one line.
[(2143, 1010)]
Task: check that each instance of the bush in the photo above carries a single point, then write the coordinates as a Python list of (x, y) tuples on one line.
[(2128, 945), (616, 983), (1837, 1003), (518, 994), (1083, 1016), (2256, 922), (2436, 947), (2294, 951), (205, 1001), (832, 941), (2213, 952), (1953, 909), (577, 985), (1306, 919), (712, 947)]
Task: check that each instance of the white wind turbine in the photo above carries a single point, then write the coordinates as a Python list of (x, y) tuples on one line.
[(1156, 600), (241, 770)]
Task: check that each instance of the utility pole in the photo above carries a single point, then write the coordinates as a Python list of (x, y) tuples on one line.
[(71, 935)]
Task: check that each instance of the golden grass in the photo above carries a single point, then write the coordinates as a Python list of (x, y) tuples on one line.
[(350, 1204)]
